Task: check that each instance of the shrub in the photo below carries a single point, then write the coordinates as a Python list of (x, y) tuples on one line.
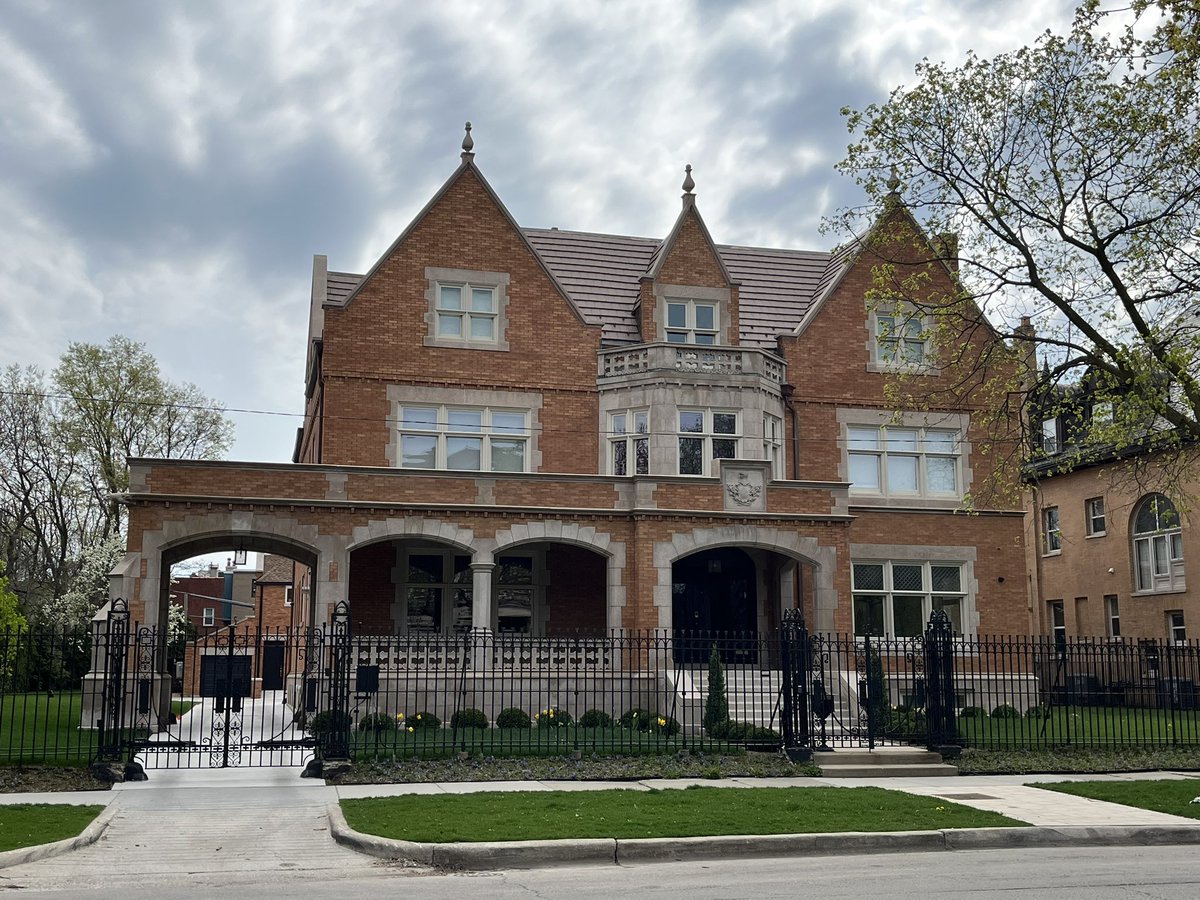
[(595, 718), (716, 704), (327, 722), (512, 717), (1004, 711), (749, 733), (553, 717), (423, 719), (636, 718), (907, 723), (377, 722), (664, 725), (1037, 712), (469, 718), (973, 712)]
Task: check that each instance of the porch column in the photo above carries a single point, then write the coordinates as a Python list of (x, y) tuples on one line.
[(481, 595)]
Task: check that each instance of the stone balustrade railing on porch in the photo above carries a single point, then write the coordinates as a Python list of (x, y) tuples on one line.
[(443, 655)]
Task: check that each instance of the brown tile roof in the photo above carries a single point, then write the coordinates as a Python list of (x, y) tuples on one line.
[(276, 570), (601, 273)]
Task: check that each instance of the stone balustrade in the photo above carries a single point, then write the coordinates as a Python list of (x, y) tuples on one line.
[(691, 359)]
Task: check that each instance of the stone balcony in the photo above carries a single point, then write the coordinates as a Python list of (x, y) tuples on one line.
[(690, 362)]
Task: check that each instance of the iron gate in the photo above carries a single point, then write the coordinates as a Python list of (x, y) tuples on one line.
[(237, 695)]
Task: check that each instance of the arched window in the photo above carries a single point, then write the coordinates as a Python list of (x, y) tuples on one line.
[(1157, 545)]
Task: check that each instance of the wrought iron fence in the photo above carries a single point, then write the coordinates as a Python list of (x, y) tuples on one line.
[(243, 695)]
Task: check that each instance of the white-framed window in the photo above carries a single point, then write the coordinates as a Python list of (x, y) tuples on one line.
[(706, 435), (629, 442), (895, 460), (1157, 545), (897, 597), (1093, 514), (1176, 628), (466, 312), (1112, 614), (468, 439), (1058, 621), (692, 322), (209, 616), (773, 444), (1049, 435), (1051, 531), (287, 595), (901, 339)]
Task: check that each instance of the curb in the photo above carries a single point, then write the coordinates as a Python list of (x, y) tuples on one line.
[(89, 835), (481, 856)]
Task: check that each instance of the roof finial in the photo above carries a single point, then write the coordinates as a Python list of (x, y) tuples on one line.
[(688, 183), (893, 182), (468, 143)]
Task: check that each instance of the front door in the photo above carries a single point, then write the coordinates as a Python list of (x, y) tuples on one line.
[(272, 665), (715, 601)]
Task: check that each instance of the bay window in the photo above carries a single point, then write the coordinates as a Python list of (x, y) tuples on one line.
[(629, 442), (706, 435)]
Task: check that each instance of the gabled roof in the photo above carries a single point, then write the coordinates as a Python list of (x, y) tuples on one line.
[(654, 268), (602, 274)]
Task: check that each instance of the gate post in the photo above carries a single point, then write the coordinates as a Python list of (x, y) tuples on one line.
[(336, 744), (794, 656), (939, 685), (115, 734)]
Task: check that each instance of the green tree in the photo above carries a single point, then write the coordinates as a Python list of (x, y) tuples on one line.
[(116, 405), (12, 623), (1060, 182), (716, 704)]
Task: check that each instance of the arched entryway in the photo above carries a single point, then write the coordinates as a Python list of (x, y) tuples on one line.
[(714, 591)]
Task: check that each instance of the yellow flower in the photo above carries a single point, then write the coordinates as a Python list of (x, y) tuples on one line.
[(418, 717), (552, 714), (661, 721), (410, 729), (399, 717)]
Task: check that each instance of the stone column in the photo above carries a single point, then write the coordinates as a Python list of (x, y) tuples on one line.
[(481, 595)]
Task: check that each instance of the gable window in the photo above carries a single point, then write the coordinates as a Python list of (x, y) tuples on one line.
[(1157, 545), (897, 597), (891, 460), (691, 322), (901, 339), (706, 435), (209, 616), (470, 439), (629, 442), (773, 444), (1093, 514), (1112, 611), (1050, 435), (1051, 531), (466, 312)]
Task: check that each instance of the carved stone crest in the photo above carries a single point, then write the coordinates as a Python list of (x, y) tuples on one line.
[(742, 492)]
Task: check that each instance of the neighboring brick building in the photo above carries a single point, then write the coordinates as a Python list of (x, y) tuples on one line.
[(537, 431), (1108, 552)]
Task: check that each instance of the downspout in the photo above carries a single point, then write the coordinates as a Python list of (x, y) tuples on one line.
[(788, 391)]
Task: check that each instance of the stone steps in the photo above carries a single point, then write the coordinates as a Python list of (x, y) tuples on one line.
[(888, 762)]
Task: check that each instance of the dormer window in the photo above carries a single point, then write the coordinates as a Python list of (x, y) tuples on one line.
[(1050, 436), (691, 322)]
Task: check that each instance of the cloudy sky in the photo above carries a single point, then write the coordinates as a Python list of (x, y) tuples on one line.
[(168, 169)]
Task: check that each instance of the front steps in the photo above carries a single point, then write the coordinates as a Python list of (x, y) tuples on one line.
[(883, 762)]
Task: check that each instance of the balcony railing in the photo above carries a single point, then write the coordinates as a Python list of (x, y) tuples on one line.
[(691, 359)]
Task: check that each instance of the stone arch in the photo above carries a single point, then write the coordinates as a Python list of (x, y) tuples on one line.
[(411, 527), (143, 576), (560, 532), (802, 548)]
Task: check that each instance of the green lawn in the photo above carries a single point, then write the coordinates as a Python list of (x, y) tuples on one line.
[(40, 728), (432, 743), (29, 824), (1168, 796), (1088, 726), (696, 811)]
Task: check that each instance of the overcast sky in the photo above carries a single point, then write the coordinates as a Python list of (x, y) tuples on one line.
[(167, 170)]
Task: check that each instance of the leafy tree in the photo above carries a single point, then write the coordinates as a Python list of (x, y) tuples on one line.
[(1059, 182), (716, 704), (73, 611), (12, 623), (116, 404)]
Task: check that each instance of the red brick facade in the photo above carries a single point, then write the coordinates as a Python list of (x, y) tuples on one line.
[(567, 541)]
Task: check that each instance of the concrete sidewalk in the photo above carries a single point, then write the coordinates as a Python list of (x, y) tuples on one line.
[(192, 822)]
